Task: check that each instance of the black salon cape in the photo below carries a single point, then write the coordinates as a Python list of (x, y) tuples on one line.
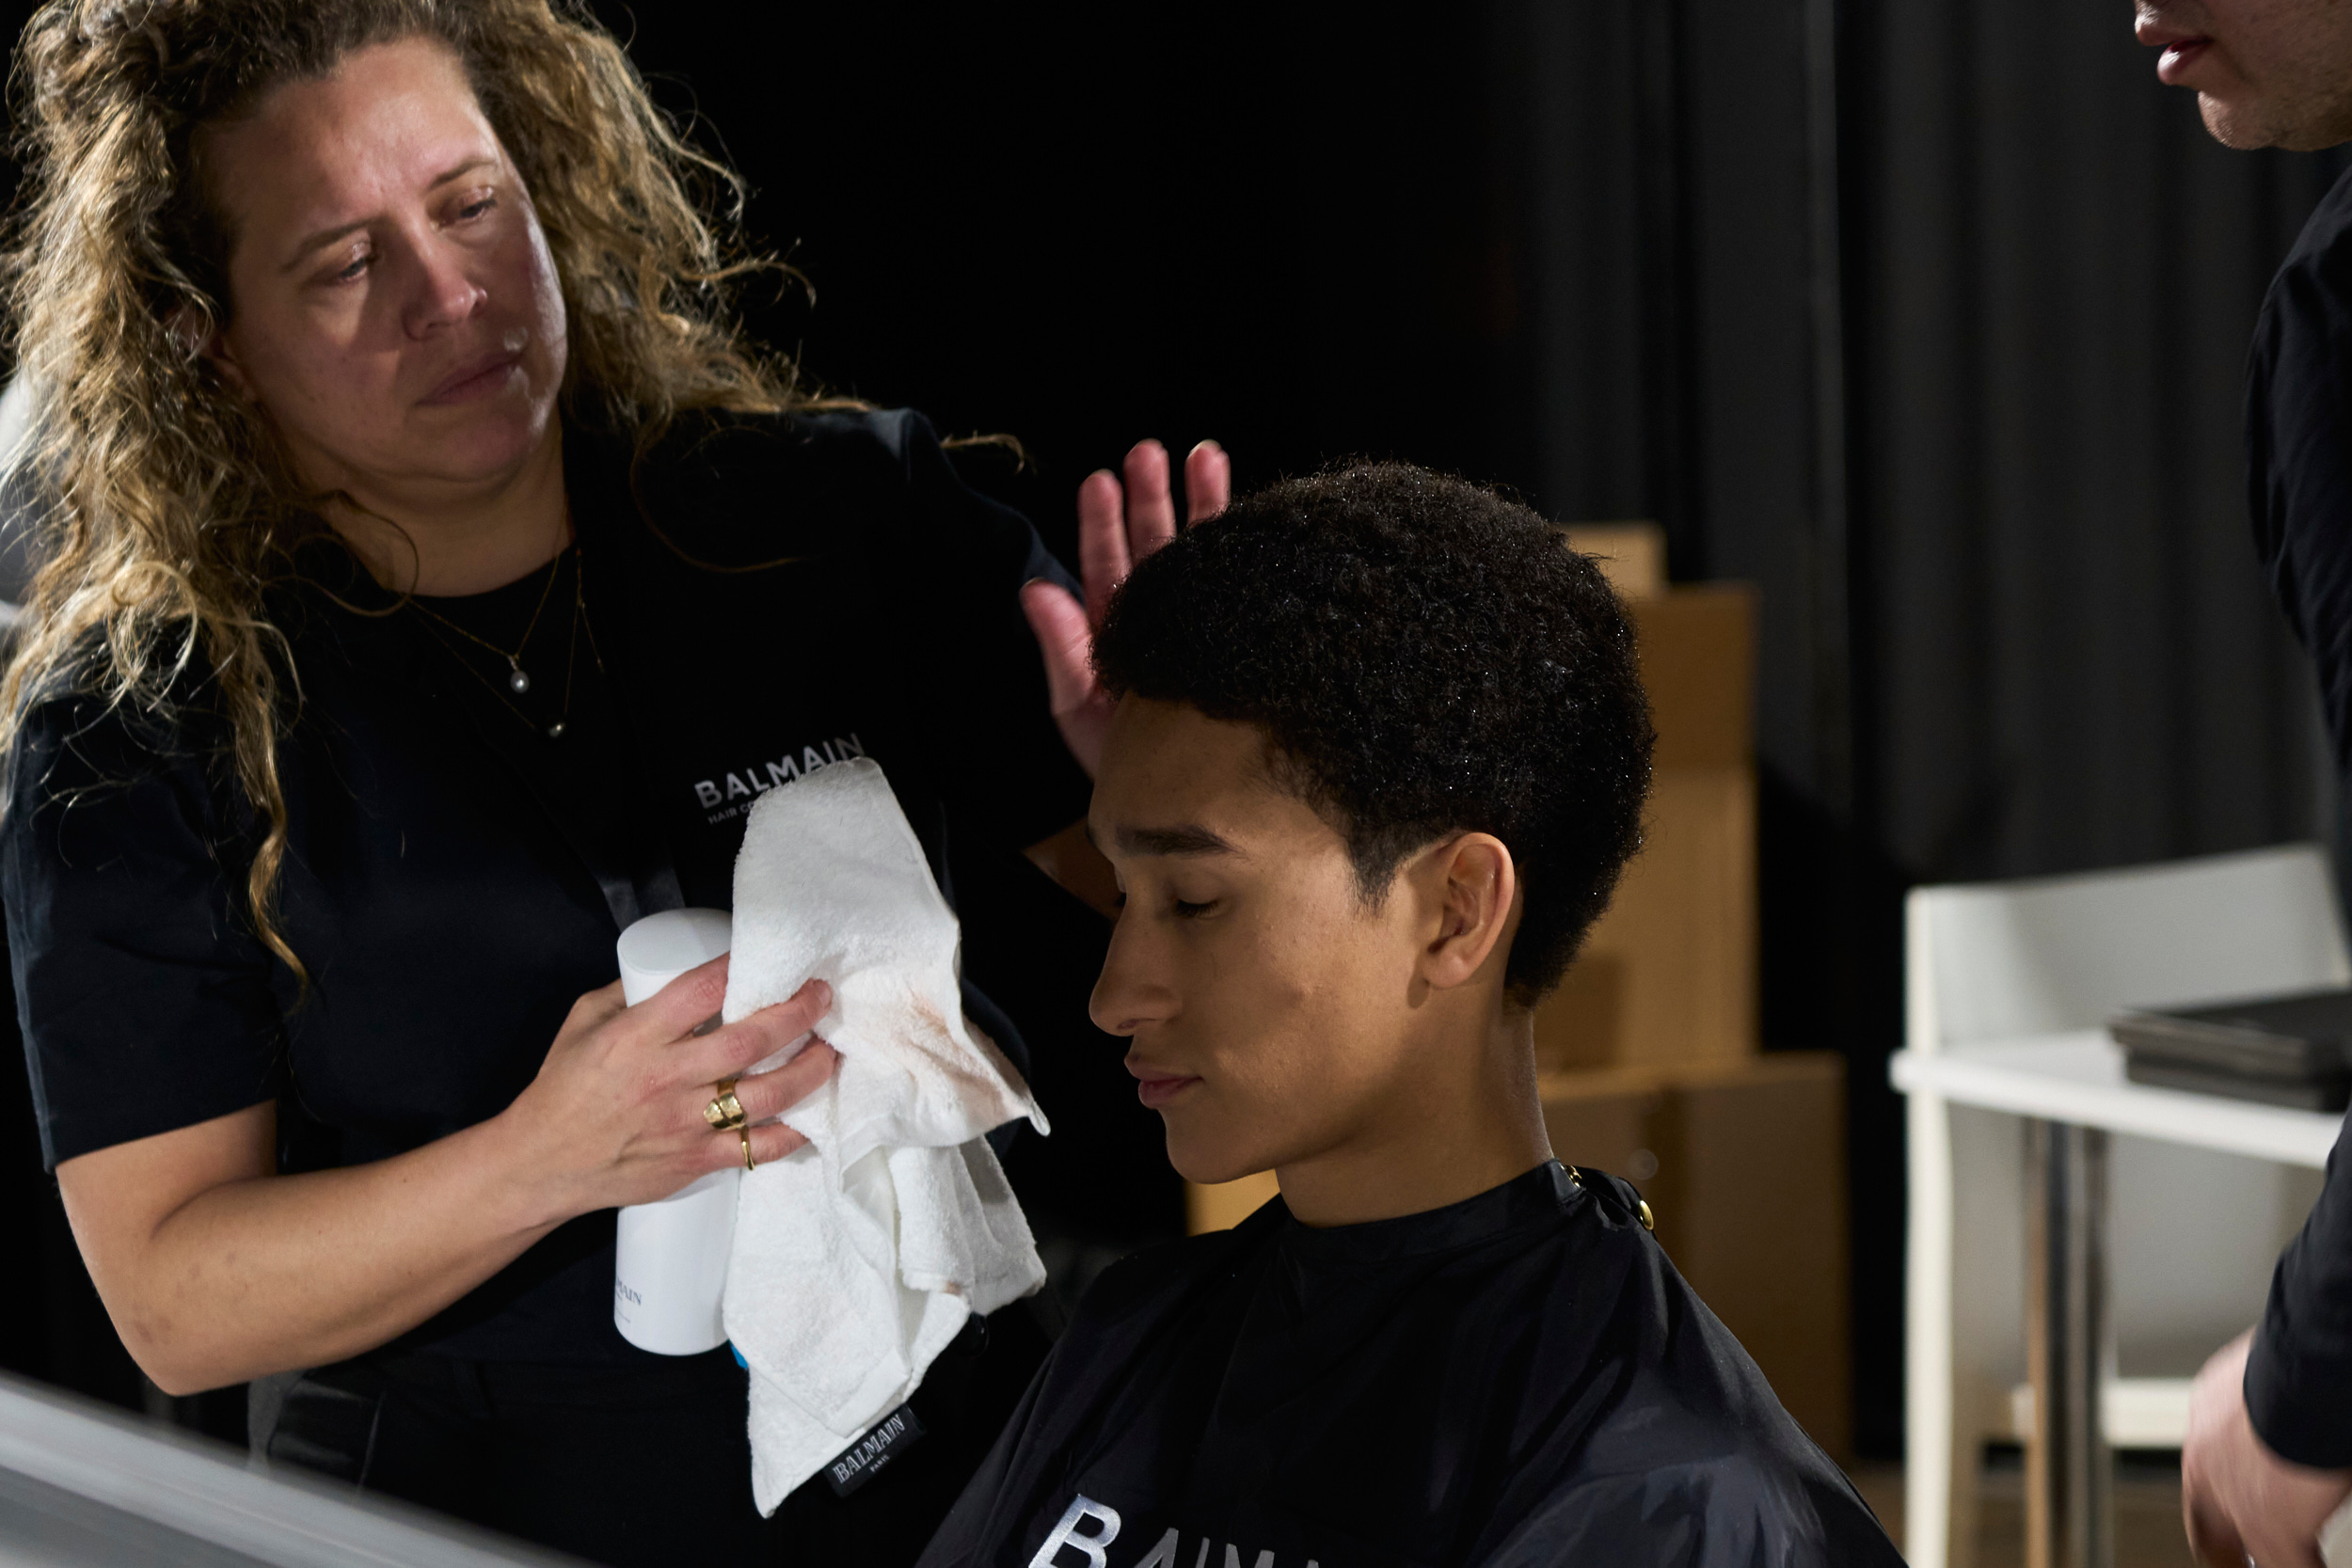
[(455, 880), (2298, 444), (1518, 1379)]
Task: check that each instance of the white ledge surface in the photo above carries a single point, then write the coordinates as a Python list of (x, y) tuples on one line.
[(2078, 1078)]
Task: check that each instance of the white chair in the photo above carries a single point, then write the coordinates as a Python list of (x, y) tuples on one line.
[(2193, 1234)]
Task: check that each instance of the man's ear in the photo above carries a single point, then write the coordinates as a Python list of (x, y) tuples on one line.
[(1475, 885)]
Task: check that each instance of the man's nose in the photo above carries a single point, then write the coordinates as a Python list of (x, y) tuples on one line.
[(1133, 989)]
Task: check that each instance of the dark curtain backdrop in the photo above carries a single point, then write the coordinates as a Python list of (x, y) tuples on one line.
[(1930, 323), (2070, 657)]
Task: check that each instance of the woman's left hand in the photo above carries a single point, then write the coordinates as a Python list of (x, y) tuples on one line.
[(1118, 525)]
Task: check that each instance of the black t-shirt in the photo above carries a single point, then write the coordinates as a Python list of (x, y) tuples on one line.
[(2298, 445), (1519, 1379), (764, 598)]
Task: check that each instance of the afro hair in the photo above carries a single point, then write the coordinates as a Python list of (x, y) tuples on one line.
[(1425, 657)]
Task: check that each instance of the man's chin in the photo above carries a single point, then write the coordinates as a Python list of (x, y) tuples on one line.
[(1208, 1161), (1213, 1171), (2237, 123), (2245, 122)]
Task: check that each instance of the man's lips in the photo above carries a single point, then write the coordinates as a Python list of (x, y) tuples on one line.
[(1157, 1086), (2173, 65), (478, 378), (2182, 48)]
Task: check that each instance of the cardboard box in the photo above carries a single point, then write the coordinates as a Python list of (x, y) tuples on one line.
[(1226, 1204), (1667, 973), (1632, 556), (1698, 645), (1743, 1164), (1698, 664)]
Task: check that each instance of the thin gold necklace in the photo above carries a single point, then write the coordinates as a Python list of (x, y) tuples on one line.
[(518, 678)]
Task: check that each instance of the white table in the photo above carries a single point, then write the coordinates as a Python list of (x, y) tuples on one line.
[(2072, 1090)]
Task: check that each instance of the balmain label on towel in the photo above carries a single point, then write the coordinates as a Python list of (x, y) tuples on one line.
[(862, 1459)]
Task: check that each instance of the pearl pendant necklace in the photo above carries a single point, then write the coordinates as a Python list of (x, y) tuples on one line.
[(518, 681)]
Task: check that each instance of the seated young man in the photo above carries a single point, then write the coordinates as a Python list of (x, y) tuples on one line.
[(1379, 753)]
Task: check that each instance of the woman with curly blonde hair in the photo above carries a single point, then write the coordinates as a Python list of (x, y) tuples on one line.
[(430, 575)]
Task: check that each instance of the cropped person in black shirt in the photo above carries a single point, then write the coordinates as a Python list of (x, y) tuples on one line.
[(2269, 1452), (1378, 754), (430, 577)]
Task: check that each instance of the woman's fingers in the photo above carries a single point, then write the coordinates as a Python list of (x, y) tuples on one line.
[(797, 1015), (1123, 517), (1104, 559), (1066, 639), (1208, 482), (749, 1042), (764, 1095), (768, 1144), (1082, 710), (680, 1007), (1151, 507)]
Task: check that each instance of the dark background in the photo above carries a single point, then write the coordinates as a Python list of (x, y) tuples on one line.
[(1927, 319)]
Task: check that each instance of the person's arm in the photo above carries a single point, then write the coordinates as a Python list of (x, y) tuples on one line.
[(1118, 525), (2298, 450), (155, 1036), (2266, 1413), (215, 1269), (1016, 691), (2268, 1454), (2240, 1500), (2298, 1367)]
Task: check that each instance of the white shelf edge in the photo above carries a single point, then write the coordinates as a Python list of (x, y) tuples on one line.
[(2173, 1115)]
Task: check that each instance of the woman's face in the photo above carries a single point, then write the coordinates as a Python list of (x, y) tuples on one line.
[(393, 305)]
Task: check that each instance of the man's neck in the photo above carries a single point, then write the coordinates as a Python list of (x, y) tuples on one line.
[(1449, 1136), (463, 542)]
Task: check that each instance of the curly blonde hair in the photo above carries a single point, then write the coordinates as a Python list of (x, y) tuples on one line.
[(167, 508)]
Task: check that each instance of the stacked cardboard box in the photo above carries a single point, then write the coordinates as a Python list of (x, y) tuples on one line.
[(1743, 1165), (1648, 1051), (1667, 973)]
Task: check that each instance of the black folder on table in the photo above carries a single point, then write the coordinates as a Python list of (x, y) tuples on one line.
[(2279, 1050)]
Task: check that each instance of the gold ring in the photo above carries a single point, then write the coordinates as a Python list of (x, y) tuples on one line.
[(725, 1112), (745, 1133)]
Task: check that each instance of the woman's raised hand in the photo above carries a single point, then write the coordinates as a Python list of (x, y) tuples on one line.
[(1118, 525), (615, 1113)]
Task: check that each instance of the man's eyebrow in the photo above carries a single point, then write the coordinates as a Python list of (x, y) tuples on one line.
[(312, 241), (1185, 838)]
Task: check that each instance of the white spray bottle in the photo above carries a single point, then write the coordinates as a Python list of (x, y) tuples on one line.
[(671, 1266)]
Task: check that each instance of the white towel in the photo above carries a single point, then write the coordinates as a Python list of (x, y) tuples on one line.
[(859, 1258)]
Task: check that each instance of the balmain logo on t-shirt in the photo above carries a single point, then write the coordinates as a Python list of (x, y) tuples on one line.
[(730, 794), (1083, 1539), (862, 1460)]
